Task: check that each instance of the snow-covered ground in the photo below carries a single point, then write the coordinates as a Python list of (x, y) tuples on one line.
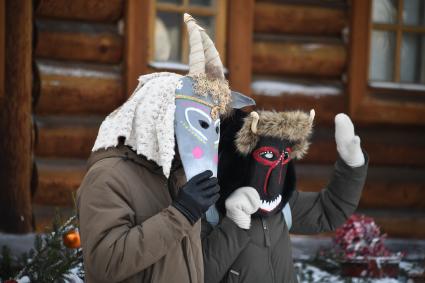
[(310, 273), (304, 248)]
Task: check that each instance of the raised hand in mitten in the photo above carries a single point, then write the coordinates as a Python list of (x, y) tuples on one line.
[(347, 143), (241, 204), (197, 195)]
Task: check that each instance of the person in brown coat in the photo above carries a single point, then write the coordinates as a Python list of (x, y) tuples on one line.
[(152, 174)]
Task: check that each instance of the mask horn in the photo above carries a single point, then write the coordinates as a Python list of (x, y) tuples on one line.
[(213, 65), (255, 118), (312, 114), (196, 55)]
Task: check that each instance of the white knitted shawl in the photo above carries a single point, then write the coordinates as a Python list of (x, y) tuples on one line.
[(145, 120)]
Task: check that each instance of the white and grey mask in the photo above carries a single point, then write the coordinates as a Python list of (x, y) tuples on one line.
[(197, 130)]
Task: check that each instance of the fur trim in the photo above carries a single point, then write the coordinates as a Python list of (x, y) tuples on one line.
[(219, 91), (294, 126)]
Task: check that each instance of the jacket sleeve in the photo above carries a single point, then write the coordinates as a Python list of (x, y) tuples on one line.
[(314, 212), (221, 245), (115, 246)]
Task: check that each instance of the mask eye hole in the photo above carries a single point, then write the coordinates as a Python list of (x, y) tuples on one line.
[(217, 129), (267, 155), (204, 124)]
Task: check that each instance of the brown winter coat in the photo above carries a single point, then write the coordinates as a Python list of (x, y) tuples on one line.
[(129, 231)]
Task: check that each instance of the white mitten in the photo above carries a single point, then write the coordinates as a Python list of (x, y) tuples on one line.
[(347, 143), (241, 204)]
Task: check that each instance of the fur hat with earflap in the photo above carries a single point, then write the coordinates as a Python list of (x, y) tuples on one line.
[(264, 144)]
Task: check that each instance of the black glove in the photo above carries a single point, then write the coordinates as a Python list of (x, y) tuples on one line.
[(197, 195)]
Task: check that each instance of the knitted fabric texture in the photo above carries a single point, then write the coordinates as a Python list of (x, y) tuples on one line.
[(145, 120)]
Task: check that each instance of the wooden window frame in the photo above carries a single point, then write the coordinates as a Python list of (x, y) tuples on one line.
[(238, 42), (394, 105), (219, 12)]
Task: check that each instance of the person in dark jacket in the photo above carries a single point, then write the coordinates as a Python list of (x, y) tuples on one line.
[(259, 205)]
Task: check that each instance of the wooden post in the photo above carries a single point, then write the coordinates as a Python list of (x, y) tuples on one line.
[(240, 41), (2, 49), (15, 121), (138, 30)]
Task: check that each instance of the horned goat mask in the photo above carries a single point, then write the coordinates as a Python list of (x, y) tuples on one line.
[(168, 106), (201, 98)]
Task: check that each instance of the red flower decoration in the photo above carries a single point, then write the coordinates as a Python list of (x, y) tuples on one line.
[(360, 236)]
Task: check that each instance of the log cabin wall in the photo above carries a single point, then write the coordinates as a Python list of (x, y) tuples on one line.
[(80, 56), (300, 54)]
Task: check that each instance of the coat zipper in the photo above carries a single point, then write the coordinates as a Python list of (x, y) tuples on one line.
[(268, 245)]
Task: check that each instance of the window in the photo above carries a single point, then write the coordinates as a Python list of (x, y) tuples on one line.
[(170, 36), (397, 51), (386, 71)]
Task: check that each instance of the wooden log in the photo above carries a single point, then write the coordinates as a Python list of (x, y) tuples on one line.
[(295, 19), (58, 181), (326, 106), (45, 214), (385, 188), (93, 10), (240, 44), (384, 145), (66, 140), (338, 4), (400, 223), (388, 154), (78, 89), (299, 59), (402, 227), (386, 111), (15, 121), (102, 47)]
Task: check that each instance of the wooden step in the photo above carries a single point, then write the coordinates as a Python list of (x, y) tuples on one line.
[(93, 10), (79, 42), (297, 19), (66, 137), (58, 180), (326, 60), (69, 89)]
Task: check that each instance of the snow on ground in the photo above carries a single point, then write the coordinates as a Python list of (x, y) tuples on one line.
[(310, 273)]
